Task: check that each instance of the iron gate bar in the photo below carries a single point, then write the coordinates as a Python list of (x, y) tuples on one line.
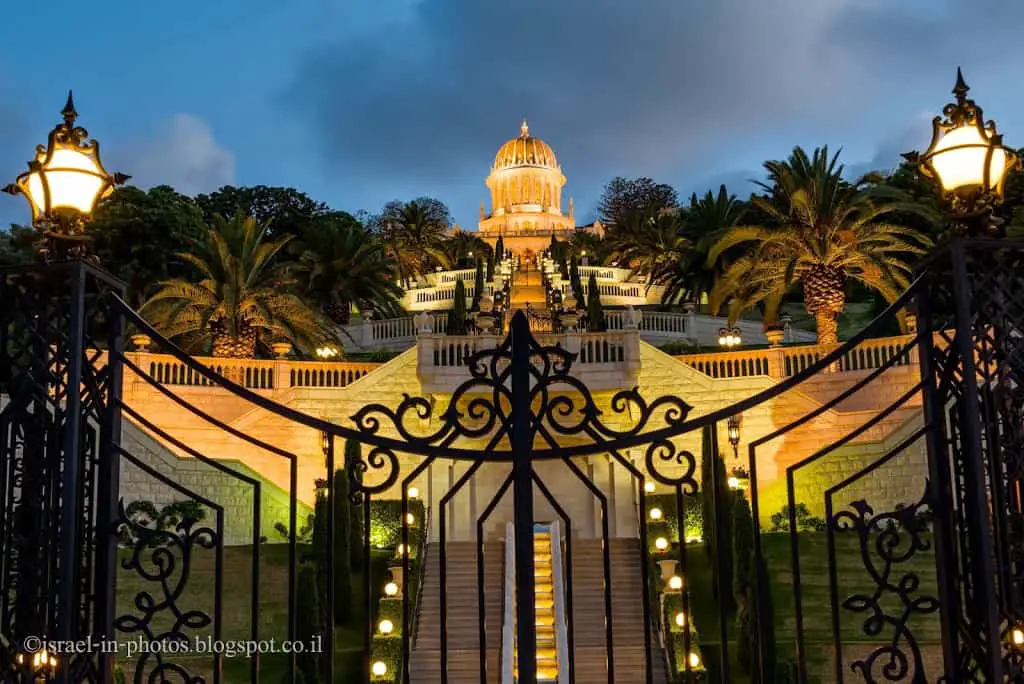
[(442, 509), (606, 559), (522, 497), (481, 593), (720, 524), (684, 573), (833, 524), (982, 570), (571, 622), (939, 480), (406, 618), (331, 547)]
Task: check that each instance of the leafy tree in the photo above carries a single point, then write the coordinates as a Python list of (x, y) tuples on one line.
[(624, 196), (17, 245), (134, 231), (821, 232), (238, 295), (415, 232), (595, 314), (341, 264), (478, 285), (309, 621), (286, 211), (457, 314)]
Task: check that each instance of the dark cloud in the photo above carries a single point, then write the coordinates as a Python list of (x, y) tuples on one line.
[(647, 87)]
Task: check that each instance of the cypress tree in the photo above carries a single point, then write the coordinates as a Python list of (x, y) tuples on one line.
[(319, 548), (499, 250), (575, 283), (742, 581), (308, 621), (457, 314), (595, 314), (478, 285), (717, 538), (342, 550), (563, 269)]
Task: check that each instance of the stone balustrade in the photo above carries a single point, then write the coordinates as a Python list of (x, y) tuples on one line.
[(784, 362), (605, 360), (254, 374)]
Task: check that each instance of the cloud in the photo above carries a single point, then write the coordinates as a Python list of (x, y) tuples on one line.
[(183, 154), (680, 91)]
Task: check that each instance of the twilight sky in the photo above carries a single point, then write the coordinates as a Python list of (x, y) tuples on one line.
[(361, 102)]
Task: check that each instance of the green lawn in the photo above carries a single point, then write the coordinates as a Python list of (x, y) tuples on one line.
[(851, 578), (198, 594)]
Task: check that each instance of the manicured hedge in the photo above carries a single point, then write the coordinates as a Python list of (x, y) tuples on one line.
[(386, 523), (667, 504)]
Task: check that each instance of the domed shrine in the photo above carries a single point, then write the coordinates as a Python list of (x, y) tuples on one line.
[(526, 184)]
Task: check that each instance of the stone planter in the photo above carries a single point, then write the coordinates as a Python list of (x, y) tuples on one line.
[(668, 569), (141, 342), (775, 336), (281, 349), (570, 321)]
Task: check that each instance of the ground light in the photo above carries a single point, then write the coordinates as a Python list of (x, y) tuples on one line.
[(675, 583), (661, 543), (386, 627), (379, 669), (390, 589), (649, 487), (680, 619), (656, 514)]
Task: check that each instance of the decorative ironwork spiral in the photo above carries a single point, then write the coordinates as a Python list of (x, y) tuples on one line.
[(887, 541), (163, 558)]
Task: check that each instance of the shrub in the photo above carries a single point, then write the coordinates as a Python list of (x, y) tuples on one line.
[(805, 522), (388, 650), (692, 510), (308, 622), (386, 523)]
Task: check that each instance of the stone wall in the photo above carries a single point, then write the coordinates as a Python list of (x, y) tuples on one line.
[(190, 478)]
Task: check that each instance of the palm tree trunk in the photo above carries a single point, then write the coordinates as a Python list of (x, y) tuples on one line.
[(827, 324), (227, 347)]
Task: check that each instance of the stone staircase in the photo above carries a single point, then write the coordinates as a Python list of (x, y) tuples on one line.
[(590, 660), (544, 607), (630, 663), (463, 615)]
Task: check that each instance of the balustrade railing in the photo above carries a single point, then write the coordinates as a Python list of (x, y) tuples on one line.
[(784, 362), (257, 374)]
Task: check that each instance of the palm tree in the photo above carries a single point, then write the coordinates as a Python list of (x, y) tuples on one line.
[(463, 249), (415, 235), (341, 264), (239, 297), (646, 243), (820, 231), (684, 272)]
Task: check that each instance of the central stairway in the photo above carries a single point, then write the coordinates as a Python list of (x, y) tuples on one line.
[(544, 606)]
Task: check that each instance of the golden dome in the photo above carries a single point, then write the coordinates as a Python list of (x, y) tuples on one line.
[(525, 151)]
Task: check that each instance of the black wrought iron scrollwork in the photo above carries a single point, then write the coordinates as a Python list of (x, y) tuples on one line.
[(163, 557), (480, 408), (888, 541)]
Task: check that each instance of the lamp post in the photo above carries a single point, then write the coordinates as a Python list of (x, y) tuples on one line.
[(733, 427), (730, 337), (969, 161), (63, 185)]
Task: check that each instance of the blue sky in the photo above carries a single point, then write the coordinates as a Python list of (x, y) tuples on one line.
[(358, 103)]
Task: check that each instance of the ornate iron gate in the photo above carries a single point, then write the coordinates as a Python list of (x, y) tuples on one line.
[(943, 594)]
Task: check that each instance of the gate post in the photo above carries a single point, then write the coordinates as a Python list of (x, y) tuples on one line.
[(979, 547), (521, 439)]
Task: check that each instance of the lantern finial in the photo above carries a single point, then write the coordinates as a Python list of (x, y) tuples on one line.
[(69, 112), (961, 88)]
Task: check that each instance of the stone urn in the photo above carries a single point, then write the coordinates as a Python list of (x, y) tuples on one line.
[(281, 349), (668, 569), (396, 575), (775, 336), (141, 342)]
